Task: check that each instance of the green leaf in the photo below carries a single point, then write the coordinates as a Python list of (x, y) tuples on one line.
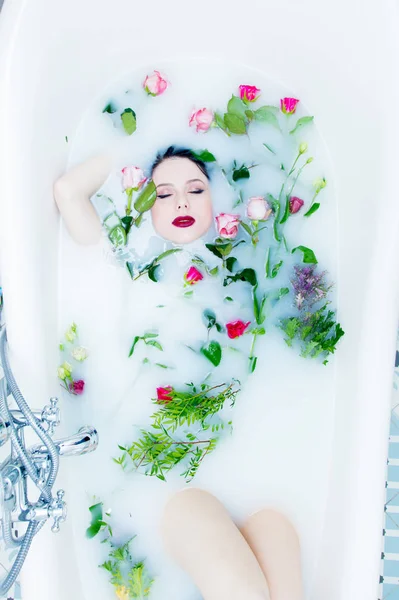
[(138, 220), (312, 209), (256, 307), (230, 262), (246, 227), (308, 254), (129, 266), (267, 263), (248, 275), (117, 236), (136, 339), (290, 327), (214, 250), (96, 511), (283, 292), (301, 122), (214, 271), (93, 530), (204, 155), (268, 148), (276, 269), (209, 318), (152, 273), (110, 108), (235, 124), (127, 223), (249, 114), (258, 331), (252, 363), (241, 173), (229, 299), (213, 352), (154, 343), (149, 334), (146, 198), (220, 328), (167, 253), (225, 248), (286, 210), (267, 114), (139, 582), (237, 107), (220, 122), (129, 121), (277, 235)]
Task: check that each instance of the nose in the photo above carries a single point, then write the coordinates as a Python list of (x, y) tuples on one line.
[(182, 202)]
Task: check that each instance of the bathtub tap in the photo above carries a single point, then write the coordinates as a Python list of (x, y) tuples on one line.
[(31, 470)]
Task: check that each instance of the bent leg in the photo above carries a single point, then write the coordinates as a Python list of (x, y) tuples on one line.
[(200, 535), (275, 544)]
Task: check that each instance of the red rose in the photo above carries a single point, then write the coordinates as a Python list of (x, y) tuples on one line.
[(164, 394), (288, 105), (295, 204), (193, 276), (236, 328), (77, 387)]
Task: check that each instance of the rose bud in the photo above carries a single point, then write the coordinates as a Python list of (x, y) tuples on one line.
[(258, 209), (202, 119), (227, 225)]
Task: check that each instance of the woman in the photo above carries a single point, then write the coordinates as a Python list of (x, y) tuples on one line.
[(181, 214), (263, 560)]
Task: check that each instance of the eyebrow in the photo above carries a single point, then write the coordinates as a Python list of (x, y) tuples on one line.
[(188, 181)]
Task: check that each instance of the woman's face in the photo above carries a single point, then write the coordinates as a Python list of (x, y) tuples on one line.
[(182, 211)]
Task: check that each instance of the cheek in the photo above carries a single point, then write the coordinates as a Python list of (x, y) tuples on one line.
[(205, 210), (161, 216)]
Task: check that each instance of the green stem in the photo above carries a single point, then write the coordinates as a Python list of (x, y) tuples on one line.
[(288, 195), (251, 352), (129, 201), (296, 179), (287, 206), (312, 201), (254, 238)]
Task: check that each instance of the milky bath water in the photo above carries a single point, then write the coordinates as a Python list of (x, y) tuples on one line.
[(278, 451)]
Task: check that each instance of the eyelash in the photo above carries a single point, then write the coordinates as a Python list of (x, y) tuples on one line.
[(192, 192)]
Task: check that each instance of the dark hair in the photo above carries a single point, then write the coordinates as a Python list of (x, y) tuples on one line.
[(173, 152)]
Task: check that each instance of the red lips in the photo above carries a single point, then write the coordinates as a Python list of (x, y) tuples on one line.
[(183, 221)]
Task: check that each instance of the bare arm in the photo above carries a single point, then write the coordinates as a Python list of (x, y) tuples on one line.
[(72, 193)]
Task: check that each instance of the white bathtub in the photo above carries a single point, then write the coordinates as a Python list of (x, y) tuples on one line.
[(342, 56)]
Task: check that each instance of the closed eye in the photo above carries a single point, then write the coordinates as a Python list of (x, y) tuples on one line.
[(197, 191), (163, 195)]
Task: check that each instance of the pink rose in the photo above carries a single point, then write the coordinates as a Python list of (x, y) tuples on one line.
[(227, 225), (155, 84), (236, 328), (295, 204), (258, 209), (249, 93), (77, 387), (132, 178), (193, 276), (288, 105), (202, 119), (164, 394)]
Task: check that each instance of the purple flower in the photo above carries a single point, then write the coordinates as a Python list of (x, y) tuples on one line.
[(309, 287)]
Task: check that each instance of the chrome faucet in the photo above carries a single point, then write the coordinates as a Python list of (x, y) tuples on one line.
[(37, 465)]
